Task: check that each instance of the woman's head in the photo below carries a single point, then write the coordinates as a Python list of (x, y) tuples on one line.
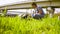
[(34, 5)]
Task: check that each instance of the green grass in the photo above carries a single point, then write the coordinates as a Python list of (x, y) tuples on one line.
[(16, 25)]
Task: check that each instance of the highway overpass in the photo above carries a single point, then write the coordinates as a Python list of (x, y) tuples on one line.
[(25, 5)]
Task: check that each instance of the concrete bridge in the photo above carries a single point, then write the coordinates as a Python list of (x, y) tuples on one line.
[(25, 5)]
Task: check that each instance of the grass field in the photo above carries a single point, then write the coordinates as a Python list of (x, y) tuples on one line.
[(17, 25)]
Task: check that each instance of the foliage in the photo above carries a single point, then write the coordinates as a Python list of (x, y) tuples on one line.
[(17, 25)]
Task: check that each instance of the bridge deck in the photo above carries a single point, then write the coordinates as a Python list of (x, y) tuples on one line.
[(25, 5)]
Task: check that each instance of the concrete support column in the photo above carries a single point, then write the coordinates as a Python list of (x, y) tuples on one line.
[(0, 12), (50, 11), (58, 17), (3, 12)]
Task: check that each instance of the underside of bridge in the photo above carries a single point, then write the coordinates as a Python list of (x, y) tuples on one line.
[(26, 5)]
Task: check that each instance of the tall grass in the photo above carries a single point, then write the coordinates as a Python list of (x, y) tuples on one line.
[(17, 25)]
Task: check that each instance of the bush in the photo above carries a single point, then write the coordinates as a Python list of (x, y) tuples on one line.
[(17, 25)]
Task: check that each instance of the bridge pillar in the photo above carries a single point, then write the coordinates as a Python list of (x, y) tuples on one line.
[(50, 11), (3, 12)]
